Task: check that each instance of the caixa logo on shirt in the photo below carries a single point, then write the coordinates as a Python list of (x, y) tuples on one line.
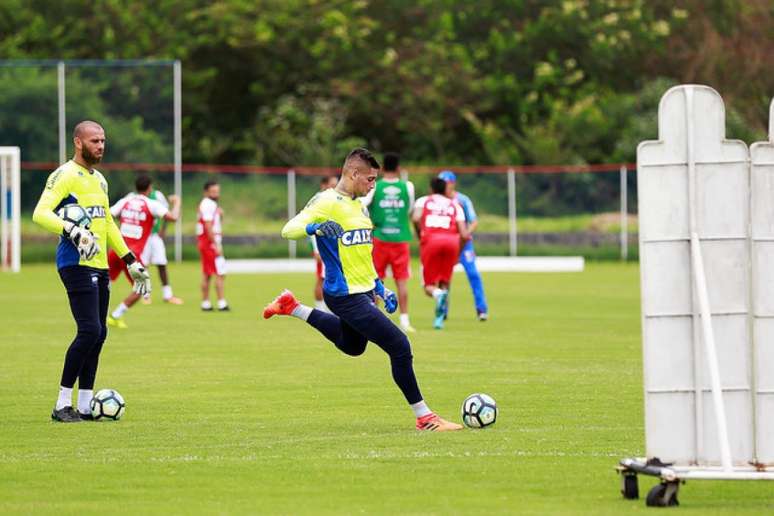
[(96, 212), (356, 237)]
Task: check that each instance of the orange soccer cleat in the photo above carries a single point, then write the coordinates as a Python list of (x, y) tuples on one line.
[(434, 423), (172, 300), (283, 304)]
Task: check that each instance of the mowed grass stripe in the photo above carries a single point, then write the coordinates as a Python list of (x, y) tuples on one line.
[(228, 413)]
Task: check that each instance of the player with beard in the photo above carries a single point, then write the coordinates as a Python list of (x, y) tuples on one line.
[(82, 263)]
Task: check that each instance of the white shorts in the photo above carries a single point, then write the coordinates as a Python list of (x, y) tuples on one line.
[(155, 252), (220, 266)]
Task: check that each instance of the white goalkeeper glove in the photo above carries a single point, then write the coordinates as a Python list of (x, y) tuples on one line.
[(140, 276), (84, 240)]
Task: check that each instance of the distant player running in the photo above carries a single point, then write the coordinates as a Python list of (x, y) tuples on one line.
[(468, 254), (136, 213), (390, 204), (343, 230), (440, 224)]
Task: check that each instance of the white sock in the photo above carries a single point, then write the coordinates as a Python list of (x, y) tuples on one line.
[(320, 305), (404, 320), (166, 291), (302, 312), (437, 293), (65, 398), (120, 311), (421, 409), (84, 400), (206, 304), (222, 304)]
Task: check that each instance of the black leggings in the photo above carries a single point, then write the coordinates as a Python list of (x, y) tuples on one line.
[(89, 294), (356, 321)]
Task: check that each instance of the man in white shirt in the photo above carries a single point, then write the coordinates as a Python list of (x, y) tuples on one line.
[(209, 235)]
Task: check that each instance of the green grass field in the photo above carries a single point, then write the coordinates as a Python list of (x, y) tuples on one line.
[(228, 413)]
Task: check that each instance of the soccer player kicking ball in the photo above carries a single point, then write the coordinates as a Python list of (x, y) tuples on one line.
[(343, 231), (440, 224)]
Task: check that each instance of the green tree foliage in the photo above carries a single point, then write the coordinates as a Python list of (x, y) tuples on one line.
[(295, 82), (28, 110)]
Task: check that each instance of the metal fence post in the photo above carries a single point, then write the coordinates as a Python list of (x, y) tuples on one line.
[(624, 215), (178, 142), (291, 208), (512, 211), (60, 83)]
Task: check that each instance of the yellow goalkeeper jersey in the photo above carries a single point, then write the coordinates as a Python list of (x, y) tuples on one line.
[(349, 266), (71, 183)]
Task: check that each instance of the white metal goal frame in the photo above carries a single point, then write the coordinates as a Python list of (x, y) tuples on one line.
[(707, 285), (10, 209)]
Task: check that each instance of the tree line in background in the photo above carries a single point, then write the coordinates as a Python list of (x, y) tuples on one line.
[(293, 82)]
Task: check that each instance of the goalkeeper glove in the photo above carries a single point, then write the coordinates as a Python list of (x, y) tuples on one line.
[(139, 275), (84, 240), (389, 297), (328, 228)]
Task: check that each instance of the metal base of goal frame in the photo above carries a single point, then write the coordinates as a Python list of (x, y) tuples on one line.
[(664, 494)]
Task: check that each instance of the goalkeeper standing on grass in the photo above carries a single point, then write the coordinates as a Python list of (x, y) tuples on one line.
[(82, 263), (343, 230)]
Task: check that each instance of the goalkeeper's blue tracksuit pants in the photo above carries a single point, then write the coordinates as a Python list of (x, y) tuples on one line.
[(358, 320), (468, 261), (88, 290)]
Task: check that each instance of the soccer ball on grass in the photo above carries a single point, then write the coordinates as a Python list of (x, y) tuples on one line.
[(479, 411), (74, 213), (107, 404)]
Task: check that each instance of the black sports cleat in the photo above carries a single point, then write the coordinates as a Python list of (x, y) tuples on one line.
[(86, 417), (226, 308), (66, 415)]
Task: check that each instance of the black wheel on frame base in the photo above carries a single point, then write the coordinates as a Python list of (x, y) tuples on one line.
[(629, 487), (663, 495)]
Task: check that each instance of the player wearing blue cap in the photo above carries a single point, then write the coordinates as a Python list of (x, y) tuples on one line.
[(468, 253)]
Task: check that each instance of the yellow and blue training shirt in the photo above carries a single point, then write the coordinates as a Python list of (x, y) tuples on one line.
[(71, 183), (349, 267)]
